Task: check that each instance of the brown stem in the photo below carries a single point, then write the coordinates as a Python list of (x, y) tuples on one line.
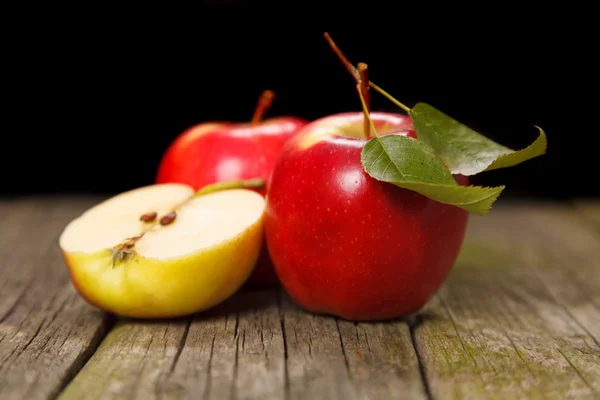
[(361, 77), (364, 106), (363, 71), (357, 76), (353, 71), (264, 103)]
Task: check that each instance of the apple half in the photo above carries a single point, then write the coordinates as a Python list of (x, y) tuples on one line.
[(144, 269)]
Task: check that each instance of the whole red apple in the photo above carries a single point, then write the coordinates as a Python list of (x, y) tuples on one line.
[(346, 244), (212, 152)]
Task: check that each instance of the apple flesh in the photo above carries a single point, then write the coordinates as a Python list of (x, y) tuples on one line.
[(220, 151), (197, 261), (346, 244)]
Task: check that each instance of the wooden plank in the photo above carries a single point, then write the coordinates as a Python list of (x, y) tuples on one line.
[(239, 351), (336, 359), (317, 366), (381, 361), (46, 331), (590, 209), (571, 240), (235, 350), (518, 316)]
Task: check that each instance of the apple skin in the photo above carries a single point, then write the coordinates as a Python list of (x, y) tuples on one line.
[(177, 289), (220, 151), (345, 244), (152, 288)]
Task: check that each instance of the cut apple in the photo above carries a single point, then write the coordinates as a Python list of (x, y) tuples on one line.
[(186, 254)]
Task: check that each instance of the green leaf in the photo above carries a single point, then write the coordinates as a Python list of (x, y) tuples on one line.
[(462, 149), (411, 164), (535, 149)]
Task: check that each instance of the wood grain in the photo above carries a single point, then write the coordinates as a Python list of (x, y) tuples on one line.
[(233, 351), (518, 317), (239, 351), (590, 209), (46, 331), (336, 359)]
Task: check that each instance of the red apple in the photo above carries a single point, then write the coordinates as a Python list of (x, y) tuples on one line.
[(346, 244), (212, 152)]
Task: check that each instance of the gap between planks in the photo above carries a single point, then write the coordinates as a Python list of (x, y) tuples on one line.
[(512, 321), (518, 317), (47, 332), (257, 345)]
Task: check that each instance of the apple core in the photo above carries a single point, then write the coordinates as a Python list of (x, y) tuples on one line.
[(137, 268)]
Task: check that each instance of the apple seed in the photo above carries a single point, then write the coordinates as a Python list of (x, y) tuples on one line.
[(148, 217), (168, 218)]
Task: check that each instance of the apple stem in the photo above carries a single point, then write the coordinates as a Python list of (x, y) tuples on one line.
[(356, 74), (264, 103), (389, 97), (366, 109), (363, 71), (361, 77), (351, 69), (255, 183)]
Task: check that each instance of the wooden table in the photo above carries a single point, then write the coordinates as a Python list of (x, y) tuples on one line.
[(519, 317)]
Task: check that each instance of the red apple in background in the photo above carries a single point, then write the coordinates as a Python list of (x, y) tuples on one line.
[(346, 244), (212, 152)]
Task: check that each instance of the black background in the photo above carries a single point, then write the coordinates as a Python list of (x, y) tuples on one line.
[(94, 97)]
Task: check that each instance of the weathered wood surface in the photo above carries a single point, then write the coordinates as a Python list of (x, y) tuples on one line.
[(258, 345), (590, 208), (519, 317), (46, 331)]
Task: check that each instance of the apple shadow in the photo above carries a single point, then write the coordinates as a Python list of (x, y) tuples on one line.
[(246, 300), (414, 321), (255, 299)]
